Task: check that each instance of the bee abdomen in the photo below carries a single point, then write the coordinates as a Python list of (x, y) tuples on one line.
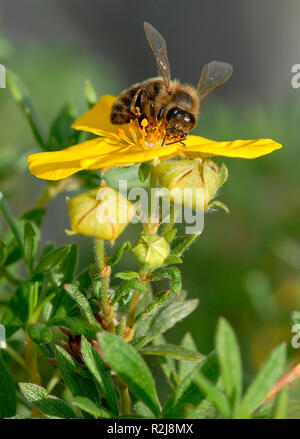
[(120, 112)]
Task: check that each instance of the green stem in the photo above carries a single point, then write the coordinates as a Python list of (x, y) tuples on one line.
[(132, 309), (16, 356), (169, 226), (105, 271), (124, 398)]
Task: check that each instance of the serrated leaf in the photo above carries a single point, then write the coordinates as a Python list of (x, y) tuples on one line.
[(8, 398), (51, 260), (82, 303), (98, 369), (49, 405), (131, 368), (264, 380), (173, 351), (90, 407), (229, 358)]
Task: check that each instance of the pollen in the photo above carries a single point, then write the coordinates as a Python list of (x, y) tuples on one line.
[(147, 134)]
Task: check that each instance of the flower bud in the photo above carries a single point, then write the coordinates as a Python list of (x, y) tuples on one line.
[(151, 251), (193, 183), (102, 213), (40, 333)]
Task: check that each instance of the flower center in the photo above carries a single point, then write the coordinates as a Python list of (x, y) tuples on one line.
[(147, 134)]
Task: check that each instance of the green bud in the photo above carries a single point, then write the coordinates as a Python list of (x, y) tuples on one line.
[(40, 333), (202, 178), (151, 251), (102, 213)]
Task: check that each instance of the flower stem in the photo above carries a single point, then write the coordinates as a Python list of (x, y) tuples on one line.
[(105, 271), (124, 397), (132, 309), (168, 226)]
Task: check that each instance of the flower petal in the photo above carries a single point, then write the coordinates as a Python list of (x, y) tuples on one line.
[(97, 119), (92, 154), (246, 149)]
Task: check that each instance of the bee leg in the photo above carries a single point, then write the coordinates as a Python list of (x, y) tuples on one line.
[(141, 98)]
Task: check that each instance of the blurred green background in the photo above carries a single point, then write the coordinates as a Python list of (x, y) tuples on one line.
[(246, 266)]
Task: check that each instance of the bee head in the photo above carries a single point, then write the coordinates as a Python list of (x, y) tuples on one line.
[(179, 122)]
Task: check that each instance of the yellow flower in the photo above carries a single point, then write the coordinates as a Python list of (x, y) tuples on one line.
[(123, 145)]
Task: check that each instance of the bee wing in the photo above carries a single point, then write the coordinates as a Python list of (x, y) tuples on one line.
[(159, 48), (213, 75)]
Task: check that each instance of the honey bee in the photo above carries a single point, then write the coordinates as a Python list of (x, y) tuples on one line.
[(166, 101)]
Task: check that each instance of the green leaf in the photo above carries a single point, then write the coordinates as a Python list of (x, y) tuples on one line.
[(131, 368), (186, 367), (21, 95), (127, 275), (82, 303), (229, 358), (144, 171), (90, 407), (158, 301), (217, 398), (126, 287), (79, 385), (48, 404), (40, 333), (188, 393), (98, 369), (170, 315), (172, 273), (118, 253), (10, 221), (8, 398), (279, 410), (17, 310), (90, 93), (35, 215), (76, 325), (61, 134), (264, 380), (180, 244), (30, 244), (3, 253), (169, 350), (51, 260), (129, 173)]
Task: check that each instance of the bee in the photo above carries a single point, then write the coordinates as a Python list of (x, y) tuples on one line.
[(165, 101)]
